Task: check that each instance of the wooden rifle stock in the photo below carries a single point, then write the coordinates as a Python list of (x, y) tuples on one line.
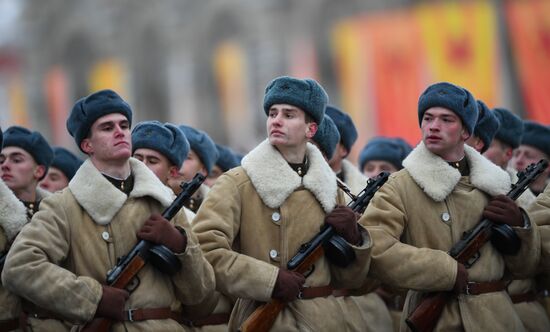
[(263, 318), (129, 266), (426, 315)]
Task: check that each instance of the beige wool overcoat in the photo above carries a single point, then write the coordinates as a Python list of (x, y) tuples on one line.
[(60, 259), (13, 217), (254, 220), (420, 213)]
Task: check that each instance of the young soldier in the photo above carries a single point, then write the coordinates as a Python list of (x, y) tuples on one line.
[(486, 127), (522, 292), (13, 217), (383, 154), (376, 315), (326, 138), (226, 161), (60, 260), (161, 147), (507, 138), (200, 159), (256, 217), (25, 159), (424, 209), (62, 170), (344, 169), (534, 147)]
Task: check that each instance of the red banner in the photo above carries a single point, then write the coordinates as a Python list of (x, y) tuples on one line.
[(529, 29), (397, 58)]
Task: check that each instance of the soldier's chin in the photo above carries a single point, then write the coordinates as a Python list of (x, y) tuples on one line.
[(276, 141)]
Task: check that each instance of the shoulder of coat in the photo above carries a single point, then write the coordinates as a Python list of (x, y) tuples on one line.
[(238, 175)]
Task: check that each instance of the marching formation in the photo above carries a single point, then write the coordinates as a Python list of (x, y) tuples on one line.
[(160, 228)]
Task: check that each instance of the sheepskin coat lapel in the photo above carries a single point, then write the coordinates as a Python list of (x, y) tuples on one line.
[(353, 177), (438, 179), (101, 200), (13, 214), (274, 180)]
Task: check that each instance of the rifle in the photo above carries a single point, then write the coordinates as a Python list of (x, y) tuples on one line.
[(466, 251), (263, 318), (143, 252)]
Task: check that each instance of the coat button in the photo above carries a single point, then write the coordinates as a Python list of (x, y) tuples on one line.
[(105, 236), (276, 216), (445, 217), (273, 254)]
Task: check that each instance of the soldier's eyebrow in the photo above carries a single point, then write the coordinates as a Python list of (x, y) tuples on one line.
[(14, 154), (105, 124)]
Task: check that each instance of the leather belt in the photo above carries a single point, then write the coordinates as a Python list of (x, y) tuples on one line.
[(137, 315), (214, 319), (9, 324), (525, 297), (323, 291), (476, 288)]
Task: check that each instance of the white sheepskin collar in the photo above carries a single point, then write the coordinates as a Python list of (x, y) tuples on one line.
[(13, 214), (353, 177), (438, 179), (102, 201), (42, 193), (274, 180)]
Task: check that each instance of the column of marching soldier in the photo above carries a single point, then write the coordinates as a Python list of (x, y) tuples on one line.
[(64, 222)]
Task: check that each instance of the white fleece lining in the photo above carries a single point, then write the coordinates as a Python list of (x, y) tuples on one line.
[(13, 214), (353, 177), (274, 180), (438, 179), (102, 201)]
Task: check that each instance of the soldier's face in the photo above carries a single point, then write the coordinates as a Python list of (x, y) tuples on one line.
[(373, 167), (525, 155), (499, 153), (54, 181), (443, 132), (19, 170), (287, 127), (192, 165), (156, 162), (109, 139)]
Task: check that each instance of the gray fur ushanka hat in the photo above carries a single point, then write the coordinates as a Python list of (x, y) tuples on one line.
[(453, 98), (307, 94)]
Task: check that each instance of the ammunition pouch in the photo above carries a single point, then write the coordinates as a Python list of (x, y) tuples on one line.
[(164, 260), (338, 251), (505, 239)]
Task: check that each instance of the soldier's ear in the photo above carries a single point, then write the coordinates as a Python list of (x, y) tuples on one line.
[(464, 134), (39, 172), (173, 171), (86, 146), (311, 130)]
